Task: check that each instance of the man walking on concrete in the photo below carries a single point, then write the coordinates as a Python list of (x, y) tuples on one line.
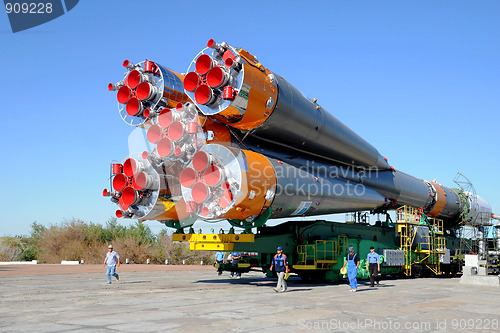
[(113, 261), (236, 256), (219, 259), (280, 263), (373, 265), (352, 262)]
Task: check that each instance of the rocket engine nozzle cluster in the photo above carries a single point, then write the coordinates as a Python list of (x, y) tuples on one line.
[(231, 139)]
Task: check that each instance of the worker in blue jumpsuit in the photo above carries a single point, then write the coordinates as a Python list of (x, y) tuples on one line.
[(352, 262)]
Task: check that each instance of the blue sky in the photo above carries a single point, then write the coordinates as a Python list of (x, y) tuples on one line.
[(419, 80)]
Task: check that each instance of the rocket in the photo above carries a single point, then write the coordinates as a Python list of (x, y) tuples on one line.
[(231, 139)]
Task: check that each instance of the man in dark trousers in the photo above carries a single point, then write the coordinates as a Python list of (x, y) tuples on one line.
[(352, 268), (236, 256), (219, 259), (280, 263), (373, 265)]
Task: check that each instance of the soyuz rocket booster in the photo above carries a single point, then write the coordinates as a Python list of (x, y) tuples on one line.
[(232, 140)]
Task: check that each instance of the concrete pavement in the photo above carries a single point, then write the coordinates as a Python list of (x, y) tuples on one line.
[(200, 301)]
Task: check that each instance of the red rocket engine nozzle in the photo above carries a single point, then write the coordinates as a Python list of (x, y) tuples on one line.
[(142, 181), (212, 44), (130, 196), (115, 86), (127, 64), (176, 131), (191, 81), (220, 48), (119, 182), (154, 134), (123, 94), (187, 177), (146, 91), (200, 192), (201, 160), (212, 175), (134, 107), (204, 63), (165, 147), (166, 118), (217, 77), (135, 78), (131, 166), (204, 95)]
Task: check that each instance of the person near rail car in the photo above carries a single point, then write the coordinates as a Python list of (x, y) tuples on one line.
[(112, 260), (373, 266), (352, 262), (219, 259), (236, 256), (280, 263)]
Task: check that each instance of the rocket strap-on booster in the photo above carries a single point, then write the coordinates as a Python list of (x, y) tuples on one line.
[(232, 140)]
